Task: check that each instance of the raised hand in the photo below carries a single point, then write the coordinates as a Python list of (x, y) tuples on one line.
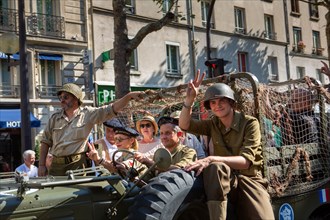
[(92, 154), (325, 69), (193, 86)]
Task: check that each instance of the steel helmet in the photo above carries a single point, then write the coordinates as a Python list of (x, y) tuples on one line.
[(73, 89), (217, 90)]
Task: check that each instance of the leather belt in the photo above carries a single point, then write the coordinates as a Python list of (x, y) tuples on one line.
[(67, 159)]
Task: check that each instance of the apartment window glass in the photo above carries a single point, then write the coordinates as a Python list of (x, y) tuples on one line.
[(130, 6), (242, 62), (300, 72), (273, 68), (5, 74), (133, 60), (48, 77), (316, 39), (296, 35), (166, 6), (269, 27), (295, 6), (173, 59), (205, 7), (313, 9), (319, 76), (239, 20)]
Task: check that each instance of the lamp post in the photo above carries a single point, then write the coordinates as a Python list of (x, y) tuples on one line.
[(9, 44)]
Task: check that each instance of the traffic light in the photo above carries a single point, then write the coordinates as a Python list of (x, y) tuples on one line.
[(217, 66)]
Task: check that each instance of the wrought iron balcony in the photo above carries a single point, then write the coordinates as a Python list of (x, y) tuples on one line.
[(9, 91), (47, 91), (8, 19), (45, 25)]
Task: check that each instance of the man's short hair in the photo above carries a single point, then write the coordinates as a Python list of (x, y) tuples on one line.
[(28, 152)]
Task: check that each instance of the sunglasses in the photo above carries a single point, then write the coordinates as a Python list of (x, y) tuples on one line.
[(145, 125), (63, 97), (120, 139)]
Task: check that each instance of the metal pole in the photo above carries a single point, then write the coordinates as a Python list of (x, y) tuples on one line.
[(208, 38), (24, 81)]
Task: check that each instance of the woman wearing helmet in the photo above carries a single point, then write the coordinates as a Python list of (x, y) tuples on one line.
[(236, 166)]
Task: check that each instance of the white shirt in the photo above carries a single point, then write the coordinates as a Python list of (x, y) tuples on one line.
[(31, 172)]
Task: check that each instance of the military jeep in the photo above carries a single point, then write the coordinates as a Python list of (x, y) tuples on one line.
[(298, 173)]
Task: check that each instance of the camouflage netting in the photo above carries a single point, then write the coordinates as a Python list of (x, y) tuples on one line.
[(296, 156)]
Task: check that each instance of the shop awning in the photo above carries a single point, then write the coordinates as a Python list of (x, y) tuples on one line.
[(50, 57), (11, 118)]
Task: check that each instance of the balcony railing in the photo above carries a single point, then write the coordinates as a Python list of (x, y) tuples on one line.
[(46, 91), (240, 30), (45, 25), (8, 19), (9, 91)]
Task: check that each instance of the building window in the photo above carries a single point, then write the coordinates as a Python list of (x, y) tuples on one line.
[(298, 44), (48, 78), (300, 72), (273, 68), (295, 6), (317, 49), (240, 20), (130, 6), (133, 60), (205, 7), (313, 9), (242, 61), (173, 59), (5, 76), (269, 28), (319, 76)]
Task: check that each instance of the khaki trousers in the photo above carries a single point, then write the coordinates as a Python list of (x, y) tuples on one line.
[(248, 194)]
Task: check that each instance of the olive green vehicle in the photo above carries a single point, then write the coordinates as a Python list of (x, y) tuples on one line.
[(298, 173)]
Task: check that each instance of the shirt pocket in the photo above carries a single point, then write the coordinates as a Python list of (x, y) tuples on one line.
[(79, 130)]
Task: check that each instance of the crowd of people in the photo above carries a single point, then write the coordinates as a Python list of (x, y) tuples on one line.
[(231, 170)]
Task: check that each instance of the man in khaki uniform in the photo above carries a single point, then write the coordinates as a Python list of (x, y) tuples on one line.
[(65, 136), (170, 138), (235, 169)]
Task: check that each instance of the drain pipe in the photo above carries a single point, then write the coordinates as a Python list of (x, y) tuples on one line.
[(286, 20), (191, 36)]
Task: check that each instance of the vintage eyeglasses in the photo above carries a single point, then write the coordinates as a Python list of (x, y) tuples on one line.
[(120, 139), (63, 97), (165, 120), (148, 125)]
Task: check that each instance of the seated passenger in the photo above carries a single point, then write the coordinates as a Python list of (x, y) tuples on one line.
[(170, 138), (107, 143), (300, 124), (125, 138), (147, 127), (190, 140)]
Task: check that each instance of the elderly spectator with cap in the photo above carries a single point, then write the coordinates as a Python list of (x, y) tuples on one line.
[(125, 139), (236, 168), (65, 136), (170, 134), (28, 167), (190, 140), (148, 128)]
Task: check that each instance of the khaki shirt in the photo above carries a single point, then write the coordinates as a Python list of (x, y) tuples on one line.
[(66, 137), (242, 139), (183, 155)]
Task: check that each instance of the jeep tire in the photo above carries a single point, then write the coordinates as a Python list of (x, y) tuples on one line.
[(171, 195)]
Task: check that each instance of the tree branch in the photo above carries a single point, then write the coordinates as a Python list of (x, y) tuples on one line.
[(144, 31)]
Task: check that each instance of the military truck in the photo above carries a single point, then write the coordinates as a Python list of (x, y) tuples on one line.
[(298, 172)]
